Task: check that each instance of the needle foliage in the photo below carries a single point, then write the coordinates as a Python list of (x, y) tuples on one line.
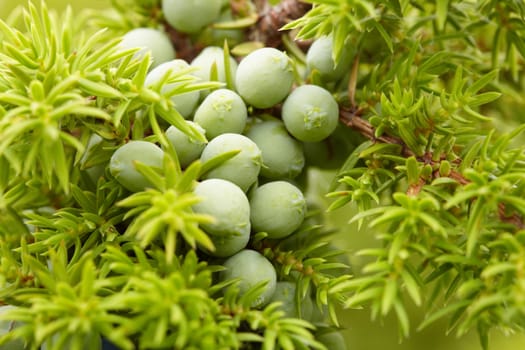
[(431, 104)]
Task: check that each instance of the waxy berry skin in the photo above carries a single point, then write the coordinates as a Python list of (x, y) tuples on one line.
[(282, 155), (319, 58), (222, 111), (264, 77), (188, 148), (190, 16), (251, 267), (243, 168), (227, 203), (152, 40), (277, 208), (121, 164), (310, 113)]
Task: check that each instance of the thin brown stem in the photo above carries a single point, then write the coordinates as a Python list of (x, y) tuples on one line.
[(273, 18), (351, 117)]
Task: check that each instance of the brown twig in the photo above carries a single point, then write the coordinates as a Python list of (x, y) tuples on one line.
[(273, 18), (351, 117), (414, 189)]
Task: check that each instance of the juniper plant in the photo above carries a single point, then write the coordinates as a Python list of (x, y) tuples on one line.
[(435, 167)]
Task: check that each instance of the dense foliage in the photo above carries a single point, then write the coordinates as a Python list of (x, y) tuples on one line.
[(123, 221)]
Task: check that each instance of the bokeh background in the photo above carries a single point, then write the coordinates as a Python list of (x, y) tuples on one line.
[(360, 332)]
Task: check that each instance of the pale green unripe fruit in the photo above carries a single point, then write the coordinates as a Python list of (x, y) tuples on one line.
[(282, 155), (187, 147), (152, 40), (222, 111), (190, 16), (277, 208), (264, 77), (285, 293), (226, 246), (310, 113), (184, 103), (229, 206), (207, 58), (121, 164), (252, 268), (319, 57), (243, 168)]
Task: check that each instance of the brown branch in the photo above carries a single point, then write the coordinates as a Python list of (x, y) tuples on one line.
[(273, 18), (351, 117)]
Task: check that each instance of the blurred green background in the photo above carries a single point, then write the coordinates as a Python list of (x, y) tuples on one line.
[(360, 332)]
